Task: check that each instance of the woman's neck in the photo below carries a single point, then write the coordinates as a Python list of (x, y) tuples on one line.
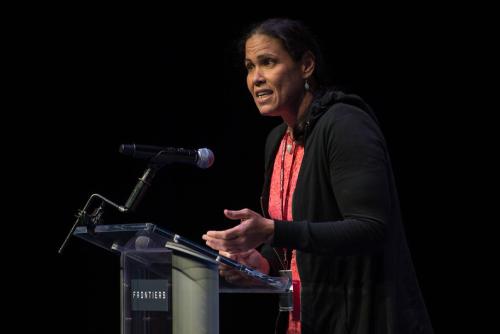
[(291, 117)]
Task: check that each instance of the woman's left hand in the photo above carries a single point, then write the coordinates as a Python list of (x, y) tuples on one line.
[(252, 259), (250, 233)]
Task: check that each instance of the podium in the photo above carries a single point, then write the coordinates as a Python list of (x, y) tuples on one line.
[(169, 284)]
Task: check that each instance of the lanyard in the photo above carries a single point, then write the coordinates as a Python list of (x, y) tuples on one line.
[(285, 197)]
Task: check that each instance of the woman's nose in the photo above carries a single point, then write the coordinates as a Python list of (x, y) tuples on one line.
[(258, 79)]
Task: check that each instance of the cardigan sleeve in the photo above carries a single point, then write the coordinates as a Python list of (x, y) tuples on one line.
[(359, 174)]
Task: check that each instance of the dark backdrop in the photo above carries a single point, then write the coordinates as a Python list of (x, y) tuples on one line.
[(109, 79)]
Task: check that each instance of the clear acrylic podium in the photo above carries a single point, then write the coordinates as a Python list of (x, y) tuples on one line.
[(170, 284)]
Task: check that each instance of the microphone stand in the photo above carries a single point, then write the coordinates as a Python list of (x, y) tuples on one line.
[(83, 218)]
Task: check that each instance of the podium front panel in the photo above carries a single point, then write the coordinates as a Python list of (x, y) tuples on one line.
[(146, 278)]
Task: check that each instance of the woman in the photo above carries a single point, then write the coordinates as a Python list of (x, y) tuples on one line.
[(330, 207)]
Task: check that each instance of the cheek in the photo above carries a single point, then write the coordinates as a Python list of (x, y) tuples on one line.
[(285, 81), (291, 85), (249, 83)]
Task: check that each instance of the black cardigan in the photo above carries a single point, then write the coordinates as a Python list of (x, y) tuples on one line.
[(353, 260)]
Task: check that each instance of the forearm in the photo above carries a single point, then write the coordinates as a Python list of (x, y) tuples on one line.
[(343, 237)]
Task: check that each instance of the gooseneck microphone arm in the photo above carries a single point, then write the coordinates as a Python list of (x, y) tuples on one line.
[(82, 216), (141, 187)]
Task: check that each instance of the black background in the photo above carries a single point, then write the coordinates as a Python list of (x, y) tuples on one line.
[(99, 79)]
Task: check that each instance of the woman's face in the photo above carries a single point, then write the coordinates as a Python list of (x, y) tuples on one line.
[(275, 81)]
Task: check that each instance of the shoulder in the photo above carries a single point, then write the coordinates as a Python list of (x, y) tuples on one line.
[(344, 119), (348, 120), (344, 106), (331, 105)]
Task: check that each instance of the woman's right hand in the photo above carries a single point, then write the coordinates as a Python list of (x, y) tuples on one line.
[(251, 258)]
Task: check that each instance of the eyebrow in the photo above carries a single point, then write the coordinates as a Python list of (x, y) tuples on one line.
[(263, 56)]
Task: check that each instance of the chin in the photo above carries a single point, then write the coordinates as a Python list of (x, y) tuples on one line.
[(266, 111)]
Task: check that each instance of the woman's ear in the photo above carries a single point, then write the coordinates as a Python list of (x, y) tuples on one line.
[(308, 64)]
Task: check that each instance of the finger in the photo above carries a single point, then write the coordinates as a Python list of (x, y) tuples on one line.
[(238, 214), (231, 246), (214, 244), (235, 245), (233, 277), (246, 254), (228, 272), (229, 234), (237, 256), (225, 273), (227, 254), (223, 269), (240, 256), (216, 235)]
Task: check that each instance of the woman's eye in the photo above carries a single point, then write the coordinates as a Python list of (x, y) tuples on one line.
[(268, 62)]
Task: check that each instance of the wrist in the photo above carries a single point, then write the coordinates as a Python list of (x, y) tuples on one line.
[(269, 231)]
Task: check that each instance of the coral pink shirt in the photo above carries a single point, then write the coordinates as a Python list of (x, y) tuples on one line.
[(283, 181)]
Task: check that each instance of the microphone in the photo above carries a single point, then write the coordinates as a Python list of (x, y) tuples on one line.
[(202, 157), (143, 242)]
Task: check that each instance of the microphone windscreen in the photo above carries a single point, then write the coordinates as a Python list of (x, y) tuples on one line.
[(142, 242), (206, 158)]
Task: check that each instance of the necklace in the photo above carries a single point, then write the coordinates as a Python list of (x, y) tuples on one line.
[(284, 197), (289, 147)]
